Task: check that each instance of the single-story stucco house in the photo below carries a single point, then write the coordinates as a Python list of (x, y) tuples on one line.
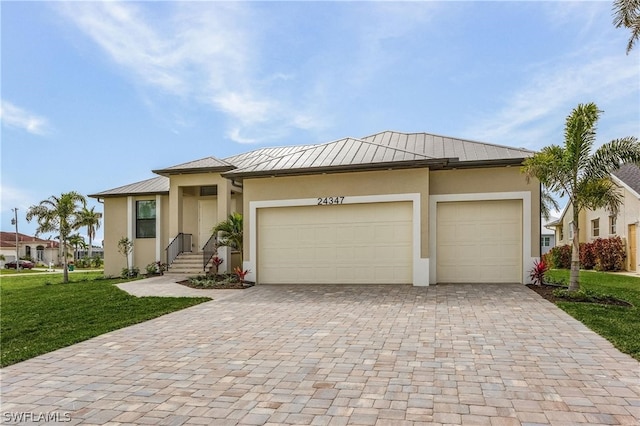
[(42, 252), (405, 208)]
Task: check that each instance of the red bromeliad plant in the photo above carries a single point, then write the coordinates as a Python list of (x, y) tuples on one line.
[(240, 273), (217, 262), (538, 271)]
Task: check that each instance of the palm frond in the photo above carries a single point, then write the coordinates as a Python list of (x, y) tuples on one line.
[(626, 13), (610, 156)]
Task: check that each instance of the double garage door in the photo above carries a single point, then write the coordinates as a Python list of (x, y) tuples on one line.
[(371, 243), (339, 244)]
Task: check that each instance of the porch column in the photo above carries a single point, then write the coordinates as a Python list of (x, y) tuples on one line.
[(224, 206), (158, 228), (175, 211), (131, 225)]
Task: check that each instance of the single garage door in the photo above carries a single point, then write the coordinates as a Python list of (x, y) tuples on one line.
[(340, 244), (479, 241)]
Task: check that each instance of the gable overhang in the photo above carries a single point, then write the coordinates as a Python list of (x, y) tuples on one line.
[(185, 171)]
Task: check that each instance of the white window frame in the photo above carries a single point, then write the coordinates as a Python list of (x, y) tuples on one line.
[(595, 227)]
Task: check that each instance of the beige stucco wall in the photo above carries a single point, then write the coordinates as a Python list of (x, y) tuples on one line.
[(340, 184), (499, 179), (116, 225)]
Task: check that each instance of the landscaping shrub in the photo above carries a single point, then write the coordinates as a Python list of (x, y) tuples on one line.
[(560, 257), (602, 254), (587, 256), (610, 254)]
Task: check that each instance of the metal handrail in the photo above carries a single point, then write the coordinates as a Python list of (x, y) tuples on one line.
[(209, 250), (180, 244)]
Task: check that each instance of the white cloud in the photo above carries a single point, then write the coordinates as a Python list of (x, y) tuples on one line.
[(14, 116), (534, 116), (204, 52)]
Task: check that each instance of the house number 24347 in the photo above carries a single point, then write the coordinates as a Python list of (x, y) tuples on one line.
[(329, 201)]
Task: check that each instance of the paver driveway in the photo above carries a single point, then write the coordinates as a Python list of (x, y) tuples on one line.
[(456, 354)]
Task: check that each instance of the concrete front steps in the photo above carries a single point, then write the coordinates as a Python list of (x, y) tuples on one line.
[(187, 264)]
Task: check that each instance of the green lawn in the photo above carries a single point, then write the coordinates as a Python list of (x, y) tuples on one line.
[(40, 314), (619, 325)]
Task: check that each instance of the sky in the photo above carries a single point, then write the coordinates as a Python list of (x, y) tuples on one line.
[(95, 95)]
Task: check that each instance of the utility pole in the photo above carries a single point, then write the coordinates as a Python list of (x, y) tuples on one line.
[(14, 221)]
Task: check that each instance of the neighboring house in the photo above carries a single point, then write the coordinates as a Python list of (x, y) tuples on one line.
[(39, 250), (387, 208), (601, 223), (547, 235)]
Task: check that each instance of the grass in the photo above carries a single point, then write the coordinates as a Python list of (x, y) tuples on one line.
[(40, 314), (619, 325)]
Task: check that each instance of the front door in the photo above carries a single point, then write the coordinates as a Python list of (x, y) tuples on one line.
[(632, 247), (207, 219)]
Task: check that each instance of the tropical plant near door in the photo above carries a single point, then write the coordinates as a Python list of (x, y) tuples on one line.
[(230, 232), (538, 271), (584, 177), (60, 214)]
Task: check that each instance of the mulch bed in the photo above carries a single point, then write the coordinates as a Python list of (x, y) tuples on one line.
[(546, 291), (218, 286)]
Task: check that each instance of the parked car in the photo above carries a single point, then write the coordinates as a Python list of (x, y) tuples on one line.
[(24, 264)]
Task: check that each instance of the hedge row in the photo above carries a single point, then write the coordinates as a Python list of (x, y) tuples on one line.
[(601, 254)]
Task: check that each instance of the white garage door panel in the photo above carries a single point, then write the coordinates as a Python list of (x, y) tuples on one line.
[(479, 241), (350, 243)]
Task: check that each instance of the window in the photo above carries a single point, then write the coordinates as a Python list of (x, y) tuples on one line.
[(145, 219), (595, 227), (561, 232), (546, 241), (208, 190), (612, 224), (40, 253), (27, 252)]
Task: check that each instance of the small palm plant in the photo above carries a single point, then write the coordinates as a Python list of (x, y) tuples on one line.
[(230, 232)]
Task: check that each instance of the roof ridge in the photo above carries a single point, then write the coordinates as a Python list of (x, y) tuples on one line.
[(426, 157)]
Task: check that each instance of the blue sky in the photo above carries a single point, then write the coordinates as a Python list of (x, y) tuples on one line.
[(96, 95)]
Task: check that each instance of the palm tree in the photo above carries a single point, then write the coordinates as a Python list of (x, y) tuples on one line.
[(626, 13), (230, 232), (584, 177), (60, 214), (76, 241), (90, 219)]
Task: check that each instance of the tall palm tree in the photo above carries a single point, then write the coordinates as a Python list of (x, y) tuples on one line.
[(76, 241), (60, 214), (626, 13), (584, 177), (90, 219), (230, 232)]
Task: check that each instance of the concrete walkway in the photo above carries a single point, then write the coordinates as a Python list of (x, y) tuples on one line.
[(336, 355), (166, 286)]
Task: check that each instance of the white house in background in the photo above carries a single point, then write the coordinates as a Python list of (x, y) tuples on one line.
[(39, 250), (601, 223), (547, 235)]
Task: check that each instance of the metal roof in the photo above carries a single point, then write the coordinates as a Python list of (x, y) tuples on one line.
[(381, 150), (157, 185), (447, 147), (343, 154), (211, 164), (388, 149)]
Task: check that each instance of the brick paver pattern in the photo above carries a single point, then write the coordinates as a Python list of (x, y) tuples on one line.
[(333, 355)]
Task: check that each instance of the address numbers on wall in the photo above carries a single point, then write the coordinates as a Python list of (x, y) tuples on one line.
[(330, 201)]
